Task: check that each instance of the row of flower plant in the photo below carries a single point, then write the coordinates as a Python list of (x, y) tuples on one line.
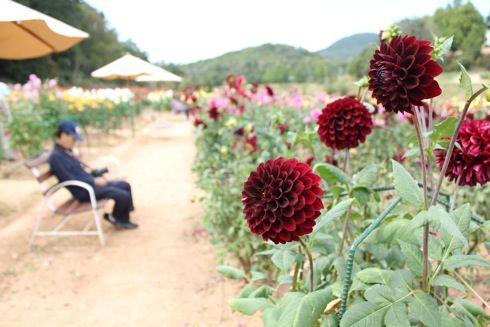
[(361, 210), (35, 109)]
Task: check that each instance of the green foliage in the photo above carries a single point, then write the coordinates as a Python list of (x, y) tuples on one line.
[(466, 24), (406, 186), (297, 309), (359, 66), (331, 174), (231, 272), (334, 213), (27, 130), (268, 63), (421, 27), (425, 309), (465, 82), (249, 306)]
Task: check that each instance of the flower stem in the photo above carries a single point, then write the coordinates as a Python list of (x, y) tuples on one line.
[(295, 276), (347, 162), (454, 195), (453, 142), (425, 240), (472, 290), (345, 230), (310, 259)]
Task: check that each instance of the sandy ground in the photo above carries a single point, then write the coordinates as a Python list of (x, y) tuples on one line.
[(162, 274)]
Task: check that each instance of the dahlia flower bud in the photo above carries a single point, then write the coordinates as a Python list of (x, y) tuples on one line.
[(281, 200), (389, 33)]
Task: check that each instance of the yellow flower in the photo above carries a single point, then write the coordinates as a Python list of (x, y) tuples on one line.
[(231, 123)]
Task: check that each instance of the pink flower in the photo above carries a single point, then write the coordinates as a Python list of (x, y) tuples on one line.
[(52, 83), (401, 117), (314, 114), (36, 81)]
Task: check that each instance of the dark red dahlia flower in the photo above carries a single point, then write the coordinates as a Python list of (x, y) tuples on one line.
[(281, 200), (270, 91), (250, 143), (254, 87), (213, 113), (233, 100), (239, 131), (344, 123), (282, 128), (470, 161), (198, 122), (401, 73)]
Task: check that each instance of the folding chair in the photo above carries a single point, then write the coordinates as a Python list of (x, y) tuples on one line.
[(68, 208)]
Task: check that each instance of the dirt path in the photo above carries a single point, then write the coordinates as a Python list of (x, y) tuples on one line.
[(162, 274)]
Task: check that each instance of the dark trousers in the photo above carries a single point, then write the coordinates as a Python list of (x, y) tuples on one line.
[(120, 192)]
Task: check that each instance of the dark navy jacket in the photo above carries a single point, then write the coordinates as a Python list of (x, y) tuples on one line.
[(66, 166)]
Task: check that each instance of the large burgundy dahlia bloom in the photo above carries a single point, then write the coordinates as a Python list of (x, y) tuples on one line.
[(401, 73), (281, 200), (344, 123), (470, 162)]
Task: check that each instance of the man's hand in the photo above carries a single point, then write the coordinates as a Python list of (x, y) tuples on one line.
[(100, 181)]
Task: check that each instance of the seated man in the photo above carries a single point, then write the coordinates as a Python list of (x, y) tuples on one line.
[(66, 166)]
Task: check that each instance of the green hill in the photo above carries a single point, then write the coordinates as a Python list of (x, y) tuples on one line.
[(268, 63), (349, 47)]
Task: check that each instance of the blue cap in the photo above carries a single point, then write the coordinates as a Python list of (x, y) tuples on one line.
[(69, 127)]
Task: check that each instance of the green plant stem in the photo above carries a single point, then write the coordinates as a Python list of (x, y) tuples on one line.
[(429, 162), (454, 195), (425, 239), (347, 162), (471, 289), (450, 149), (295, 276), (310, 259), (345, 230)]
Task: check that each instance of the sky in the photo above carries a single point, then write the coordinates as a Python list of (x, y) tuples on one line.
[(183, 31)]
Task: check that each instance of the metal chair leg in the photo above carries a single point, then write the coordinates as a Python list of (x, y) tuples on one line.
[(98, 226), (36, 225)]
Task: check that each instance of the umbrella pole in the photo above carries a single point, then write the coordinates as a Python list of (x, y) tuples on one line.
[(131, 112)]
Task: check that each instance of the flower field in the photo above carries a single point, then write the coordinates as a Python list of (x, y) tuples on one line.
[(336, 211), (35, 108)]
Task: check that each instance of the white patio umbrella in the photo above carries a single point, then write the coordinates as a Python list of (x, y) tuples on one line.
[(26, 33), (130, 68), (161, 76)]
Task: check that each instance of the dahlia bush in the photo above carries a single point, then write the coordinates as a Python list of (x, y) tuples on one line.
[(366, 213)]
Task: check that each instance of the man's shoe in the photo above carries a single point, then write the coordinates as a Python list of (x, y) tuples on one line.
[(128, 225), (110, 218)]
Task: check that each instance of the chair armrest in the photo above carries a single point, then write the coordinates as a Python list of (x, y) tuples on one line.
[(88, 187)]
